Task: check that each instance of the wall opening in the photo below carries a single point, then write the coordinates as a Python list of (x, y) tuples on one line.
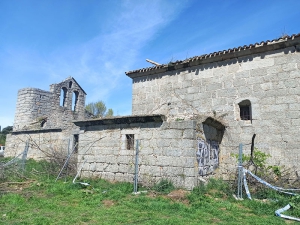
[(75, 143), (70, 84), (208, 146), (43, 122), (130, 141), (63, 96), (245, 110), (74, 100)]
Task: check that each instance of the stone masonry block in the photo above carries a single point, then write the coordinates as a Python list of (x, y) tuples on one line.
[(187, 143), (163, 161), (255, 64), (162, 143), (220, 71), (114, 168), (189, 172), (294, 74), (208, 73), (266, 86), (289, 66), (295, 122), (178, 161), (255, 80), (231, 92), (213, 86), (292, 83), (188, 152), (258, 72), (278, 92), (233, 67), (171, 152), (188, 134), (287, 99), (292, 114), (190, 182), (146, 150), (294, 91)]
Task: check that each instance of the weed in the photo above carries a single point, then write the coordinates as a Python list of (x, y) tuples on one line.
[(44, 201), (207, 192), (164, 186)]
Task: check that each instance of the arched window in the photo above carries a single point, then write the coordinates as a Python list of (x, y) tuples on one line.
[(245, 110), (63, 96), (74, 100)]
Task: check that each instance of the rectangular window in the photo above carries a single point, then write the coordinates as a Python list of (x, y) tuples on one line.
[(245, 112), (130, 141), (75, 143)]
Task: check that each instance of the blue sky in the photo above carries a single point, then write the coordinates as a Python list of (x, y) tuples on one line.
[(44, 42)]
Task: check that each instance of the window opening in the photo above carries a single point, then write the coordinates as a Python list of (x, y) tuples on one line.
[(130, 141), (74, 100), (70, 84), (245, 110), (75, 142), (63, 96), (43, 121)]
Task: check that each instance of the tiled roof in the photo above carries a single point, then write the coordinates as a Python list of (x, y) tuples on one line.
[(263, 46)]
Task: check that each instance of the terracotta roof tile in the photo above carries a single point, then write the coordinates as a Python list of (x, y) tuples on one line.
[(219, 53)]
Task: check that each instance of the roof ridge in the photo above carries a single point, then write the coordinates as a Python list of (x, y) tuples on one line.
[(219, 53)]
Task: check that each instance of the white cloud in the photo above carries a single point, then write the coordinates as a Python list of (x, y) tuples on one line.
[(97, 64), (101, 62)]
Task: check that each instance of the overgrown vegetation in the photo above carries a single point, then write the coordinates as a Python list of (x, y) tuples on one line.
[(33, 197), (164, 186), (273, 174)]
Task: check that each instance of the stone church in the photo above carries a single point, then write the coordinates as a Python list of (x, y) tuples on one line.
[(188, 117)]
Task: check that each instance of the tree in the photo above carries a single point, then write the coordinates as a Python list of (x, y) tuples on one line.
[(3, 134), (7, 129), (98, 109), (109, 113)]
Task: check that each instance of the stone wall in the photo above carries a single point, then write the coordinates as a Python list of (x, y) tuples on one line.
[(46, 119), (167, 150), (42, 145), (270, 80), (38, 109)]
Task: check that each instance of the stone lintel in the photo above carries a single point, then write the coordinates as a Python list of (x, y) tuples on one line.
[(37, 131), (121, 120)]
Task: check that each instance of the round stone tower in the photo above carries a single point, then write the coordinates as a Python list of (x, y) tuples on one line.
[(32, 103)]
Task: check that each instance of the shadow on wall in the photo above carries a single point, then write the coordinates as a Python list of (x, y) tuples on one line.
[(213, 130)]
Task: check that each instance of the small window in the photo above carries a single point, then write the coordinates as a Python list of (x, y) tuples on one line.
[(63, 96), (245, 110), (130, 141), (74, 100), (75, 143), (70, 84)]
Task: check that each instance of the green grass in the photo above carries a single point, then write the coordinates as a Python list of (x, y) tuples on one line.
[(40, 200)]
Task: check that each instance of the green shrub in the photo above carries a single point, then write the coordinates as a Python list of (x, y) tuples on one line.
[(205, 193), (164, 186)]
